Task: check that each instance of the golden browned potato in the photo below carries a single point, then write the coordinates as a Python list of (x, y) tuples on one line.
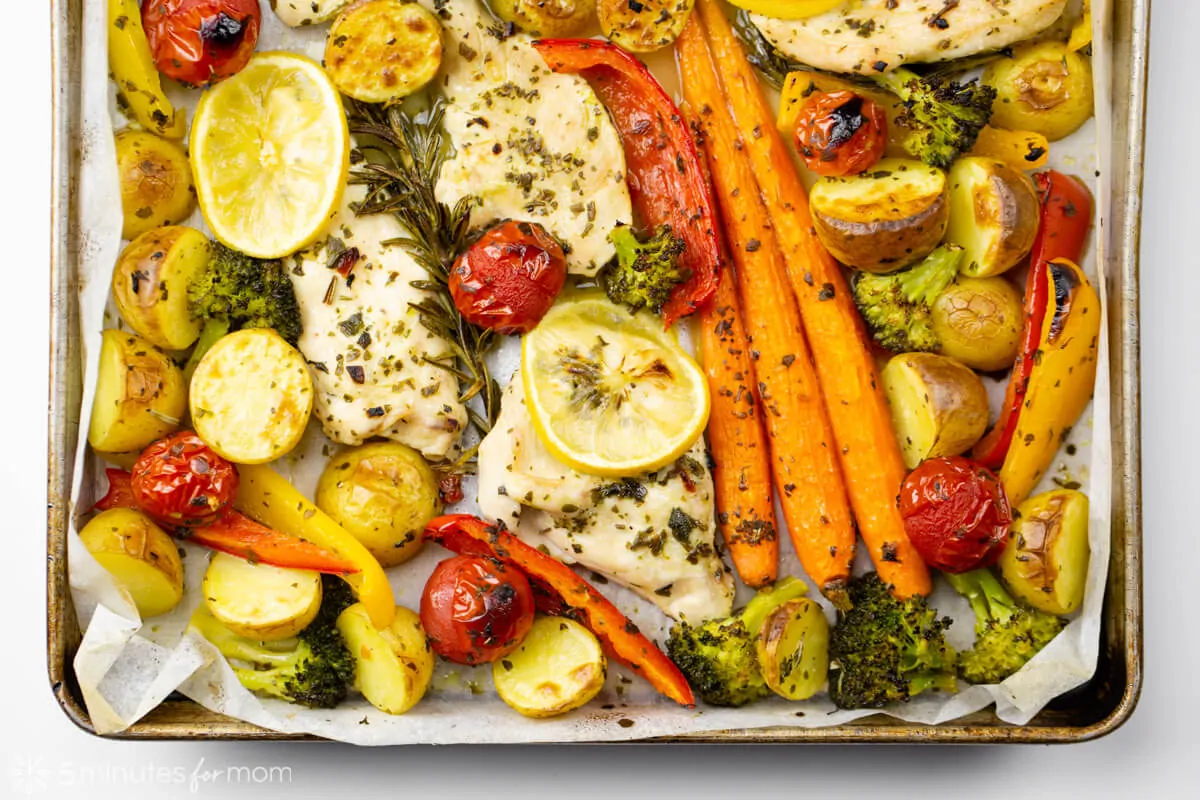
[(558, 668), (381, 51), (939, 407), (645, 26), (260, 601), (251, 396), (392, 666), (1043, 87), (141, 557), (156, 182), (994, 214), (793, 649), (549, 18), (150, 284), (885, 219), (1046, 560), (140, 394), (383, 494), (978, 321)]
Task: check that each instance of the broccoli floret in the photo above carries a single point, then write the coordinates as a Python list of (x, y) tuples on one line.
[(719, 657), (897, 307), (238, 291), (1007, 634), (885, 650), (944, 116), (647, 272), (314, 669)]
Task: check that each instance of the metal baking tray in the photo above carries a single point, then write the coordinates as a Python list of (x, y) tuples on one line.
[(1095, 709)]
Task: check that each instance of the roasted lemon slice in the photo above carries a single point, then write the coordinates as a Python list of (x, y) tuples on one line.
[(270, 152), (611, 393)]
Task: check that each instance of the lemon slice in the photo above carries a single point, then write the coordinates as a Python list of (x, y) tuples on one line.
[(270, 153), (611, 393)]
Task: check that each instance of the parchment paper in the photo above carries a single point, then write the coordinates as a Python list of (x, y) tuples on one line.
[(126, 668)]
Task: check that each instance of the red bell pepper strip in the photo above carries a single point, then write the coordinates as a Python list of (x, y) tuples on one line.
[(663, 171), (236, 534), (1066, 219), (558, 591)]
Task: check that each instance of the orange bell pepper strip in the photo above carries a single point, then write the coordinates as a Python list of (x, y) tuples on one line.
[(558, 591)]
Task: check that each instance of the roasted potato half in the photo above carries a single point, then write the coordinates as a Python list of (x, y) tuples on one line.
[(251, 396), (392, 666), (381, 51), (994, 214), (141, 557), (1043, 87), (547, 18), (885, 219), (978, 322), (260, 601), (156, 182), (646, 26), (939, 407), (383, 494), (150, 284), (793, 649), (1046, 560), (558, 668), (140, 394)]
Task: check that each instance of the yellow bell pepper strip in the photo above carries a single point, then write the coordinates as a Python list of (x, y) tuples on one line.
[(133, 69), (1021, 150), (266, 496), (1081, 34), (1061, 381), (787, 9)]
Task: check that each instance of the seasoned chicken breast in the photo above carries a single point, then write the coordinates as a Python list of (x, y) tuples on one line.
[(366, 348), (866, 36), (300, 13), (654, 533), (531, 144)]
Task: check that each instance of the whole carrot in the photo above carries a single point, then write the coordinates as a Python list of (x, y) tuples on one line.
[(808, 477), (862, 427)]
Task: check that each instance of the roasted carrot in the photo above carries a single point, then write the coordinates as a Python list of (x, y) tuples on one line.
[(808, 477), (862, 427)]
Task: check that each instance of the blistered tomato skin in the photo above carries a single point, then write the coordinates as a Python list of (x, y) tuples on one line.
[(198, 42), (956, 514), (476, 610), (180, 481), (508, 280), (840, 133)]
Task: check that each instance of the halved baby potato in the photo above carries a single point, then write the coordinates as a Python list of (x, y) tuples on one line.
[(140, 394), (939, 407), (994, 214), (150, 284), (141, 557), (885, 219), (251, 396), (260, 601), (1046, 560), (793, 649), (558, 667), (381, 51), (979, 321), (1043, 87), (156, 182), (645, 26), (393, 666), (547, 18)]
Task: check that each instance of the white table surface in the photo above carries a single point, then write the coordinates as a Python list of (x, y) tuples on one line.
[(1156, 754)]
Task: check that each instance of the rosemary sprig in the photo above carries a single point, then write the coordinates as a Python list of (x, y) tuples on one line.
[(399, 157)]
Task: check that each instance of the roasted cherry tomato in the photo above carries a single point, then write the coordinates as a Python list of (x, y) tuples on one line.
[(180, 481), (956, 514), (198, 42), (476, 610), (840, 133), (508, 280)]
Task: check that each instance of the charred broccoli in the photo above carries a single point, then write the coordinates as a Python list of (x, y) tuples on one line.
[(885, 650), (238, 291), (897, 307), (719, 658), (314, 669), (646, 272), (1007, 634), (944, 116)]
